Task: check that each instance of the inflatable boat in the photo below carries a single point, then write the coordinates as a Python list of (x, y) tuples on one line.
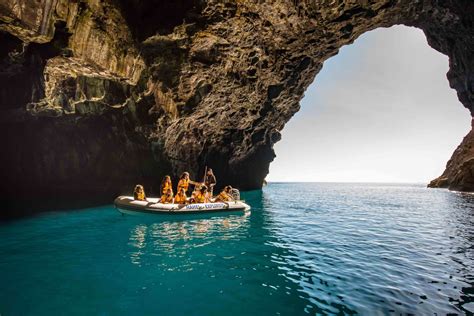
[(128, 205)]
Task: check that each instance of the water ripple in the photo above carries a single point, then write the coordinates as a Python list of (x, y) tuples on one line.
[(330, 249), (395, 247)]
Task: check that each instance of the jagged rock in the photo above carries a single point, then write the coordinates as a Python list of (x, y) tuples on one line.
[(459, 173), (105, 94), (206, 48)]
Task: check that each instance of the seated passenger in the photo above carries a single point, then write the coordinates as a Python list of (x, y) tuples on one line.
[(181, 198), (139, 193), (166, 185), (225, 195), (201, 196), (167, 198), (197, 189)]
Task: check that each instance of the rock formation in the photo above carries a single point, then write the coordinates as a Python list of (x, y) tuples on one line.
[(459, 173), (96, 96)]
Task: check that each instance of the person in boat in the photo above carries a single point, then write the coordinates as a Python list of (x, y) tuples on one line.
[(184, 182), (180, 197), (139, 193), (166, 185), (225, 195), (167, 198), (210, 181), (195, 192), (201, 196)]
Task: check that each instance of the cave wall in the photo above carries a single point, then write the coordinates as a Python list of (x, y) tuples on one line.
[(99, 95)]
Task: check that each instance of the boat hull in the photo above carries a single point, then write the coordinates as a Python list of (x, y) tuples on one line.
[(127, 205)]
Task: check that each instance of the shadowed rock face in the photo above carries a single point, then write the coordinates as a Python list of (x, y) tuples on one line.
[(96, 96)]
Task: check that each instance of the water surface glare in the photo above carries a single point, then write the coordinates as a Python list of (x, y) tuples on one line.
[(304, 249)]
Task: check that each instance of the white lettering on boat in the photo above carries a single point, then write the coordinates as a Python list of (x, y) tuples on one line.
[(205, 206)]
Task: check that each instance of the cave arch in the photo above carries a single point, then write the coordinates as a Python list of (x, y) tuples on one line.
[(381, 110), (299, 58), (112, 109)]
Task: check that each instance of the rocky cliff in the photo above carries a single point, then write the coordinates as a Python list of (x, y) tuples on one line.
[(459, 173), (96, 96)]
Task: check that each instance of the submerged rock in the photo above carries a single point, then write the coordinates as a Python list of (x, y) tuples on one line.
[(96, 96)]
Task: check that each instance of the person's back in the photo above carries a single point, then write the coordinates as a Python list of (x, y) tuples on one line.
[(139, 193), (225, 195), (222, 197)]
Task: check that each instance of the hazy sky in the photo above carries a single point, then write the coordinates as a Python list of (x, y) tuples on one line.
[(379, 111)]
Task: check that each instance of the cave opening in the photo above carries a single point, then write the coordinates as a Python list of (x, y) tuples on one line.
[(147, 18), (379, 111)]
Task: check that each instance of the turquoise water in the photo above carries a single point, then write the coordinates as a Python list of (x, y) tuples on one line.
[(304, 249)]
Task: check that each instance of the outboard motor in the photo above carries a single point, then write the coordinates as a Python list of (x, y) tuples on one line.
[(236, 194)]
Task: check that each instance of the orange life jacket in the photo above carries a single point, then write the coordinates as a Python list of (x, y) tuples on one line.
[(183, 183), (166, 199), (224, 197), (200, 198), (167, 186), (140, 196), (180, 199)]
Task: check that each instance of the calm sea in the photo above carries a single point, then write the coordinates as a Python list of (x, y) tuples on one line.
[(304, 249)]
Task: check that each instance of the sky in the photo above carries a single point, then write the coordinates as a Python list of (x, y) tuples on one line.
[(379, 111)]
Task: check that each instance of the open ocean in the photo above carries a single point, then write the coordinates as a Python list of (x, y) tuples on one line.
[(304, 249)]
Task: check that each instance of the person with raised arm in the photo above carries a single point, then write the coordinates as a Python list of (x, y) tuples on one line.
[(184, 182)]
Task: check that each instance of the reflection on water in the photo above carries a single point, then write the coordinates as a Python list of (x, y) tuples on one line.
[(332, 249), (329, 249), (137, 240), (175, 238)]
